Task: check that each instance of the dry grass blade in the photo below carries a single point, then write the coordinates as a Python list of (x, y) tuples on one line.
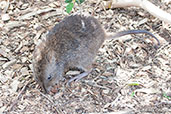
[(18, 97)]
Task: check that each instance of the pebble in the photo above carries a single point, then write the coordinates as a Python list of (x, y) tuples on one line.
[(23, 59), (2, 109), (168, 94), (3, 78), (106, 91), (1, 24), (14, 85), (5, 17), (21, 107), (31, 67), (3, 4), (8, 73), (4, 51), (37, 26), (16, 66), (24, 71), (1, 104)]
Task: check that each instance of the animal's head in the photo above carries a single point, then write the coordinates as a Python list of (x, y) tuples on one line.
[(47, 71)]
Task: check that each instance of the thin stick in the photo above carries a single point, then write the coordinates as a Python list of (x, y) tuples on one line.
[(18, 97), (146, 5)]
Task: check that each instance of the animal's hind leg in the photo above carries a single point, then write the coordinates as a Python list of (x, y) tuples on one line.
[(80, 76)]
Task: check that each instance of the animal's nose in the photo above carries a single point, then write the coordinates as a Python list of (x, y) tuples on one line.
[(44, 89)]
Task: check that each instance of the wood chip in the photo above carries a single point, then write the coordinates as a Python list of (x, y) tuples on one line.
[(5, 17), (9, 63), (73, 73), (33, 13), (24, 71), (14, 24), (14, 85)]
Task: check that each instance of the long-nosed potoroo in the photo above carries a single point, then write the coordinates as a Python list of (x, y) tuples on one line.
[(72, 43)]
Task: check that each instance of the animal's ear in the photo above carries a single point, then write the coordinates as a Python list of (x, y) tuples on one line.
[(51, 57), (37, 55)]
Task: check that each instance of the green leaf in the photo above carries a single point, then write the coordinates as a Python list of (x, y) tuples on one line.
[(80, 1), (69, 7), (68, 1), (165, 95), (133, 93), (133, 84)]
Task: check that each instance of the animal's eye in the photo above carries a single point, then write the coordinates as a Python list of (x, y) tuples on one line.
[(49, 77)]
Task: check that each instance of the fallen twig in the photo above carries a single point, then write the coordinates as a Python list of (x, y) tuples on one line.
[(18, 97), (145, 4)]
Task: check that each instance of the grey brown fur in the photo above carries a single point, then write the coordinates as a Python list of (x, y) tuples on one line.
[(73, 43)]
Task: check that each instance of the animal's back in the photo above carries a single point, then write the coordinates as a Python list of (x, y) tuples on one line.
[(76, 40)]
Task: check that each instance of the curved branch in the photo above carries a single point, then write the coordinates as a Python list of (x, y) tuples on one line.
[(145, 4)]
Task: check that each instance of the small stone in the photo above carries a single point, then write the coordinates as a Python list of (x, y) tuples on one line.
[(24, 59), (168, 94), (3, 4), (21, 107), (2, 109), (37, 26), (24, 71), (5, 17), (16, 66), (31, 66), (4, 87), (1, 24), (14, 85), (129, 50), (1, 104), (106, 91), (8, 73), (134, 46), (83, 90), (3, 78), (6, 93)]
